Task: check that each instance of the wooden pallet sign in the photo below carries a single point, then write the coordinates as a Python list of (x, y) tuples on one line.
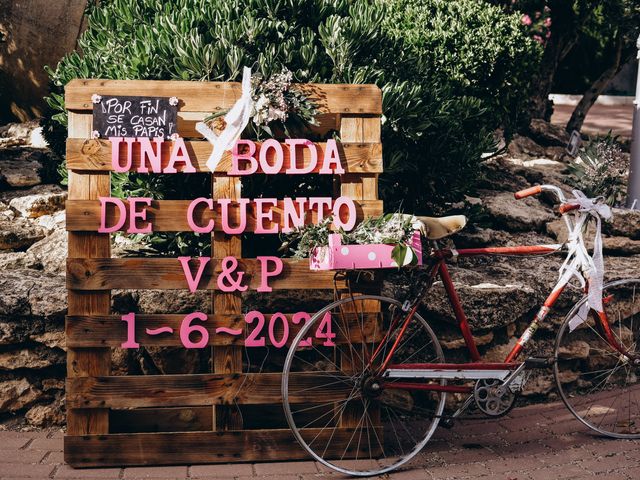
[(193, 418)]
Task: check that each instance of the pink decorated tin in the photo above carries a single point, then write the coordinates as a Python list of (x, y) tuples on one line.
[(336, 256)]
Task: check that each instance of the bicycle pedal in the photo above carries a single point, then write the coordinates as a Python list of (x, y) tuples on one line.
[(539, 362)]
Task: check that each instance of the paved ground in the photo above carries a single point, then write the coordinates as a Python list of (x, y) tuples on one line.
[(541, 442), (601, 119)]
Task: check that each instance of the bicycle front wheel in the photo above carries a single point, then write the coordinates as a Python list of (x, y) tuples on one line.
[(339, 407), (600, 385)]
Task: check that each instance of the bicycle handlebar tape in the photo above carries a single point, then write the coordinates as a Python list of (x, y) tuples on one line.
[(567, 207), (527, 192)]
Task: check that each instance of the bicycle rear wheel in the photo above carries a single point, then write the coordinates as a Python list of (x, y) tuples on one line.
[(339, 408), (599, 385)]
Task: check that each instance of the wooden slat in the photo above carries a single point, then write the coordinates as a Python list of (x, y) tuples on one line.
[(204, 447), (95, 155), (111, 331), (172, 419), (200, 389), (167, 274), (326, 123), (171, 215), (88, 362), (226, 358), (215, 96), (359, 187), (364, 186)]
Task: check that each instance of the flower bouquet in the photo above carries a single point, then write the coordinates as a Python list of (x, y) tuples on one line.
[(388, 241)]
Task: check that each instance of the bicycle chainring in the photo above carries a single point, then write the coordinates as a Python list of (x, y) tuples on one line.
[(492, 398)]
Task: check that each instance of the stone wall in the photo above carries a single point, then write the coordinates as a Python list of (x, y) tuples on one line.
[(32, 282), (500, 295)]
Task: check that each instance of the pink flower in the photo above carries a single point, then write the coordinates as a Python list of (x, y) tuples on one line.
[(538, 38), (547, 22), (548, 35), (538, 14), (526, 20)]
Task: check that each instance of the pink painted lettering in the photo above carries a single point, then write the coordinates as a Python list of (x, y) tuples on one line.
[(266, 273)]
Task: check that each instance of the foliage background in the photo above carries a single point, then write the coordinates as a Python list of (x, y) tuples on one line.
[(451, 73)]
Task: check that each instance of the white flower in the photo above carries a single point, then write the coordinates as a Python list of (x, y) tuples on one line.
[(173, 101), (95, 98), (95, 134), (261, 102), (174, 136)]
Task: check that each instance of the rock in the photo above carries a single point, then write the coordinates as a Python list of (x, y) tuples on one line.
[(625, 223), (620, 246), (18, 233), (453, 343), (309, 301), (39, 357), (500, 174), (516, 215), (14, 260), (557, 153), (538, 385), (52, 222), (542, 171), (174, 301), (472, 200), (7, 333), (52, 384), (611, 245), (520, 145), (48, 297), (45, 415), (26, 167), (38, 201), (176, 360), (37, 140), (548, 134), (19, 133), (568, 376), (487, 305), (51, 252), (488, 237), (14, 330), (574, 350), (17, 394), (51, 339), (498, 353), (29, 292)]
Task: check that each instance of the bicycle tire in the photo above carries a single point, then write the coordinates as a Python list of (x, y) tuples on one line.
[(391, 407), (594, 380)]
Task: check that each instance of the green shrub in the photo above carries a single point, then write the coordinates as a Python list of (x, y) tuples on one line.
[(451, 72), (473, 47)]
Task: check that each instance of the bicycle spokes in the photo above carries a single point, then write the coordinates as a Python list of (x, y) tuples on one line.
[(598, 382)]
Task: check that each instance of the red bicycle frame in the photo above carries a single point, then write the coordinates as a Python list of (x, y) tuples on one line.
[(439, 268)]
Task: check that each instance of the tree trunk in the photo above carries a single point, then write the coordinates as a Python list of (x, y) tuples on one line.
[(597, 87), (565, 28)]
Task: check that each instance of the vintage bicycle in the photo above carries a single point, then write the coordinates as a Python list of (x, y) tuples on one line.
[(369, 406)]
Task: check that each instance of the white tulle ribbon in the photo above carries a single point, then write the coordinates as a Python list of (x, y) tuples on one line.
[(592, 265), (236, 119)]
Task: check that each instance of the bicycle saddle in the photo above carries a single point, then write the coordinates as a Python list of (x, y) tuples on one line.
[(440, 227)]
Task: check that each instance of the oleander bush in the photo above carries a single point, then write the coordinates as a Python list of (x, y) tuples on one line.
[(451, 72)]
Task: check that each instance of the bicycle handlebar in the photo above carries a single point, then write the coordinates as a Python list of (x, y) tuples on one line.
[(535, 190), (527, 192), (567, 207)]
